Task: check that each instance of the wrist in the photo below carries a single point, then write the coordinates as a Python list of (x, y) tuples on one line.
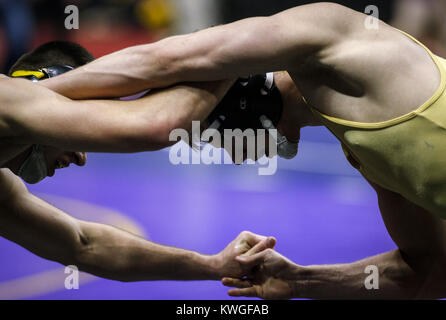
[(209, 266), (324, 282), (215, 267), (299, 282)]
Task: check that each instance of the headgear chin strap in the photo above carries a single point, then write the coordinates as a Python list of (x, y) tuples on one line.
[(285, 148), (34, 169), (256, 103)]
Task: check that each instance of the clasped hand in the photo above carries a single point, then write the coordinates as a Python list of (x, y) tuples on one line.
[(250, 265)]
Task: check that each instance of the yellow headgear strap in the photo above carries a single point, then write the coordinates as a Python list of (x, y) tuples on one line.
[(23, 73)]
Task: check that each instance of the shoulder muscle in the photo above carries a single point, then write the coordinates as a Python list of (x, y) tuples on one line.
[(10, 185)]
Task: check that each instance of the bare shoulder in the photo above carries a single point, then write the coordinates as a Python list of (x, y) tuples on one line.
[(10, 185), (17, 95), (17, 90), (12, 91), (324, 27), (396, 63), (10, 97), (382, 63), (6, 96), (330, 12)]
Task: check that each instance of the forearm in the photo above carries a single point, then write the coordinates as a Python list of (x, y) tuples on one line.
[(109, 125), (114, 254), (250, 46), (98, 249), (195, 101), (119, 74), (396, 280), (177, 59)]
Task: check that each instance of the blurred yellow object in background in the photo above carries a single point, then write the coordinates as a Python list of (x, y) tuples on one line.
[(155, 14)]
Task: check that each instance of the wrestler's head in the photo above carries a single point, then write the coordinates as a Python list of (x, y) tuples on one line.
[(47, 61), (248, 117)]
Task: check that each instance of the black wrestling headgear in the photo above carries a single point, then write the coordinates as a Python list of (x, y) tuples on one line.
[(256, 103), (43, 73), (244, 104)]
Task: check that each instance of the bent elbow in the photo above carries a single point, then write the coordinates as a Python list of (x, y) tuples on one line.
[(80, 249), (424, 271), (153, 135), (165, 131)]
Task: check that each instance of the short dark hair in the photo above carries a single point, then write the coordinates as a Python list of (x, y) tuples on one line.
[(51, 54)]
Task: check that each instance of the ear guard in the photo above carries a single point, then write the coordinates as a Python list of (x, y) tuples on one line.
[(34, 169), (254, 102), (43, 73)]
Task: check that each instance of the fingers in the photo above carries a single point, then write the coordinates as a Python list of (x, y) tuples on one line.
[(251, 238), (254, 260), (245, 292), (237, 283), (268, 243)]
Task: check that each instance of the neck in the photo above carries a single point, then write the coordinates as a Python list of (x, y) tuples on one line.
[(296, 113)]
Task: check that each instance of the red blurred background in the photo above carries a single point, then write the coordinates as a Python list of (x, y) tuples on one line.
[(110, 25)]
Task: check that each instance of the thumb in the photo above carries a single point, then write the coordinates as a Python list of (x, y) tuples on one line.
[(271, 242)]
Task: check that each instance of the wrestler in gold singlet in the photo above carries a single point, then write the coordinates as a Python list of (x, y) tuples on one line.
[(406, 155)]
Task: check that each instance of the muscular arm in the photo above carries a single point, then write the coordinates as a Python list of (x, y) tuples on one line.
[(103, 250), (416, 270), (250, 46), (31, 114)]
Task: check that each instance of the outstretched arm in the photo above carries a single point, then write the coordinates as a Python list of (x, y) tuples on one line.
[(106, 251), (31, 114), (395, 278), (414, 271), (250, 46)]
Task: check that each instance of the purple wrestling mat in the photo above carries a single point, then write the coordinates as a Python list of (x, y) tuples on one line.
[(320, 210)]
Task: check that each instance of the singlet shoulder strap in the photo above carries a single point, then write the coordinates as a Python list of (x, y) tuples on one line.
[(406, 117)]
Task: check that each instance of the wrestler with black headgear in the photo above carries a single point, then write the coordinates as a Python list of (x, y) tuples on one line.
[(41, 131)]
